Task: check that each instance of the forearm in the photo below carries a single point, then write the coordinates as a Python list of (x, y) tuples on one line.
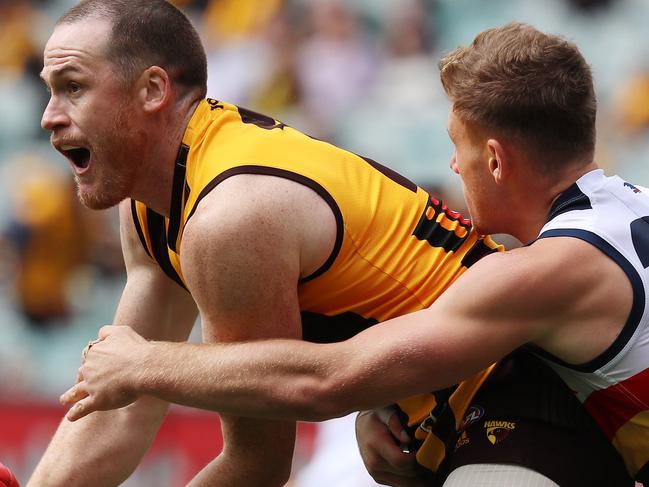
[(256, 379), (279, 379), (101, 449), (104, 448)]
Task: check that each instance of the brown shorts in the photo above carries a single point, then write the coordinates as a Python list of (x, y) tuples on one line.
[(525, 415)]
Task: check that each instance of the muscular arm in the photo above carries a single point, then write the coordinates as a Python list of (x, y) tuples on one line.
[(104, 449), (243, 253), (560, 293)]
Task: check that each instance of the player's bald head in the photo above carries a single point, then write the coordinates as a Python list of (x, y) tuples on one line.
[(148, 33)]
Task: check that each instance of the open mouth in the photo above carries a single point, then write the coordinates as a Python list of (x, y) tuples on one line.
[(80, 156)]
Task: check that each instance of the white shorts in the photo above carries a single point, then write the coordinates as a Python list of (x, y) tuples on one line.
[(496, 475)]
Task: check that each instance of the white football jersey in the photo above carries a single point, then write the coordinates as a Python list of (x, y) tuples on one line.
[(613, 215)]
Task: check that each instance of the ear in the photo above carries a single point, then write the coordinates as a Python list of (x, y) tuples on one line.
[(154, 89), (498, 161)]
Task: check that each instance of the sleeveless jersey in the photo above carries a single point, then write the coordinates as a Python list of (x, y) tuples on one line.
[(613, 215), (396, 248)]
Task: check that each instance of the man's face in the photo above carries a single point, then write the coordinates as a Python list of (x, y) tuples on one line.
[(91, 117), (470, 161)]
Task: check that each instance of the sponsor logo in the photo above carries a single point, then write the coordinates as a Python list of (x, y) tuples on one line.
[(462, 440), (497, 431), (473, 414), (632, 187)]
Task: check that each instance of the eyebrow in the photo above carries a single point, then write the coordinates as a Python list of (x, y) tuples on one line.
[(59, 72)]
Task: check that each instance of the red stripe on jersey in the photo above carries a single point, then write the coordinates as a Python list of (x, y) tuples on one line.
[(454, 215), (614, 406)]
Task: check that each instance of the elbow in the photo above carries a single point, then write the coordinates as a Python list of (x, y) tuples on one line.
[(321, 399)]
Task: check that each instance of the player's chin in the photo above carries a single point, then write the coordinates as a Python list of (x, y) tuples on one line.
[(98, 200)]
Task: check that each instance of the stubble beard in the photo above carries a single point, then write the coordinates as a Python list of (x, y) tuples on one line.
[(115, 168), (111, 193)]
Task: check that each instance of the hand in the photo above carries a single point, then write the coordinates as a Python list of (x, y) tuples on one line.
[(380, 434), (107, 377)]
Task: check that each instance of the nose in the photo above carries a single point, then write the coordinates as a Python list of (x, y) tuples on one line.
[(54, 116), (453, 163)]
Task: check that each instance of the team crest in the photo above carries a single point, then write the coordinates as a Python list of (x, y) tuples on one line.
[(497, 431)]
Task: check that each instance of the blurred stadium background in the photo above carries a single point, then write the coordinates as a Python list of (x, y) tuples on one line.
[(359, 73)]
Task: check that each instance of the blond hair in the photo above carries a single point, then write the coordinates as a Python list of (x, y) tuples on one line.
[(534, 87)]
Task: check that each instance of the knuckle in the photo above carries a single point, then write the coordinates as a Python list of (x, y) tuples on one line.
[(394, 423), (373, 462)]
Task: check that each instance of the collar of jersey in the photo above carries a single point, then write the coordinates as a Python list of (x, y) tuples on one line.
[(178, 191), (192, 132)]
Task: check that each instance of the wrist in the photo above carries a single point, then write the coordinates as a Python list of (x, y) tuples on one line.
[(146, 377)]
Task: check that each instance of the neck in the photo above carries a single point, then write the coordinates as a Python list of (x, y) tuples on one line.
[(537, 199), (156, 175)]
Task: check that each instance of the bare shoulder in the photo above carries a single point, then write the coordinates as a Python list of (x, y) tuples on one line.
[(573, 261), (243, 200), (588, 296), (242, 257), (270, 216)]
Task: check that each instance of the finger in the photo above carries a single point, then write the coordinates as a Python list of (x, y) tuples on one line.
[(384, 413), (86, 349), (396, 460), (79, 375), (84, 352), (107, 330), (74, 394), (81, 409), (383, 454), (397, 429), (390, 417)]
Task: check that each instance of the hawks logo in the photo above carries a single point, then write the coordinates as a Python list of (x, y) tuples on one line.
[(497, 431)]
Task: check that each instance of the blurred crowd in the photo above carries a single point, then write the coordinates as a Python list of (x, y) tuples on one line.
[(359, 73)]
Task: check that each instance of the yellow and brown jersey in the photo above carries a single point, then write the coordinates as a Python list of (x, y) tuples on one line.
[(396, 248)]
